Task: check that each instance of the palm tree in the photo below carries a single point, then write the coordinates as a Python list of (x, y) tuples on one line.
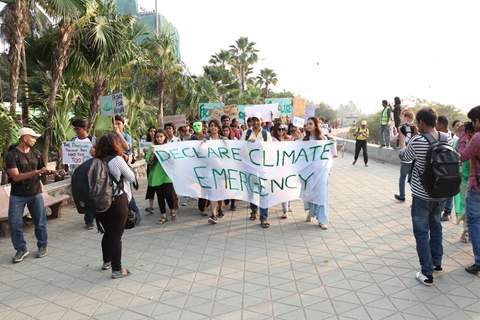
[(104, 48), (265, 78), (244, 55), (222, 58), (165, 65), (67, 12), (13, 29)]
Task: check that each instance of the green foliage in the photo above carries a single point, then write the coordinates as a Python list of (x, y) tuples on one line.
[(326, 111)]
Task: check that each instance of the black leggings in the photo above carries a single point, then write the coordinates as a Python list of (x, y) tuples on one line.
[(113, 221), (361, 144), (166, 192)]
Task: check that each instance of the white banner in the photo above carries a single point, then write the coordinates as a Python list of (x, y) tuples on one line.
[(74, 152), (262, 173)]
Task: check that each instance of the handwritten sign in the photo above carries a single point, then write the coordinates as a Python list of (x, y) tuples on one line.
[(268, 111), (75, 152), (298, 122), (112, 105), (145, 145)]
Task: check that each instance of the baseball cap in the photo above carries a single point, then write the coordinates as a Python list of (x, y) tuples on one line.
[(363, 123), (257, 115), (27, 132)]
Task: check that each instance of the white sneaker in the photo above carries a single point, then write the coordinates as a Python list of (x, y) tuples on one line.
[(428, 281)]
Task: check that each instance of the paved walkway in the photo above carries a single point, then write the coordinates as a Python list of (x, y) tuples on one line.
[(363, 267)]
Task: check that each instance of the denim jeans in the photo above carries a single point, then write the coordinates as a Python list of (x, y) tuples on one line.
[(427, 230), (133, 206), (385, 135), (319, 212), (263, 211), (405, 169), (449, 205), (473, 222), (16, 207), (88, 218)]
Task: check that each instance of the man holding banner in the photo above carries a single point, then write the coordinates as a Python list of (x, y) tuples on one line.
[(257, 133)]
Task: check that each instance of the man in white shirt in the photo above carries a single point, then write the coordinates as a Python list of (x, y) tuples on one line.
[(256, 133), (170, 132)]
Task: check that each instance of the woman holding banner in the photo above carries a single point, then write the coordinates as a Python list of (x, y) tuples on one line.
[(228, 134), (279, 133), (215, 206), (159, 181), (319, 212)]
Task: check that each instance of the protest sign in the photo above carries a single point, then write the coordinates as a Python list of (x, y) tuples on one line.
[(112, 105), (145, 145), (107, 106), (208, 111), (74, 152), (265, 174), (268, 111), (299, 106), (177, 120), (285, 106), (117, 103), (241, 113), (298, 122)]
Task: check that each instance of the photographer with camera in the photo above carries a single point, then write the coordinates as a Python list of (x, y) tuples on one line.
[(469, 148), (407, 129)]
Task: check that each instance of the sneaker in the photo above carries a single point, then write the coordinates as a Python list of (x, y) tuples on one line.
[(445, 216), (473, 269), (107, 266), (426, 280), (220, 213), (212, 220), (89, 226), (366, 165), (399, 198), (438, 269), (120, 274), (323, 226), (354, 162), (20, 255), (42, 252)]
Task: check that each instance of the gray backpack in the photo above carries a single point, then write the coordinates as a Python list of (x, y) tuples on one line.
[(92, 186)]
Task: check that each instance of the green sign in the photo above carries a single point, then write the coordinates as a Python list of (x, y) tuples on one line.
[(241, 113), (285, 105), (205, 110), (107, 106)]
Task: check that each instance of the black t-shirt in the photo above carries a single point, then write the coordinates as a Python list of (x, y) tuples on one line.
[(25, 162)]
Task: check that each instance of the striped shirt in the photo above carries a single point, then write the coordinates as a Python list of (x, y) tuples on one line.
[(416, 151), (120, 169)]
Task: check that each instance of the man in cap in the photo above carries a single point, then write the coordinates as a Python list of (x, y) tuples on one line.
[(25, 167), (256, 133), (361, 137)]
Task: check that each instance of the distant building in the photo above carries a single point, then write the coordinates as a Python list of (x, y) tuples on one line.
[(148, 20)]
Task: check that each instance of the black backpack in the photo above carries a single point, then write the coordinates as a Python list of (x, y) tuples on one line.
[(441, 177), (92, 186), (249, 133)]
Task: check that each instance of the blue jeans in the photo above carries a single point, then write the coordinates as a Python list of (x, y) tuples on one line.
[(385, 135), (319, 212), (405, 169), (263, 211), (88, 218), (427, 230), (449, 205), (16, 207), (473, 221), (133, 206)]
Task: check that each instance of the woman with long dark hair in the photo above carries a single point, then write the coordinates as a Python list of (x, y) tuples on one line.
[(159, 181), (320, 212), (215, 206), (150, 195), (109, 149), (228, 134), (279, 133)]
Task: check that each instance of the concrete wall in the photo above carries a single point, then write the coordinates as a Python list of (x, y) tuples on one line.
[(374, 151)]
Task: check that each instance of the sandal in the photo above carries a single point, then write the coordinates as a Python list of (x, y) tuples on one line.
[(173, 214), (120, 274), (253, 216), (323, 226), (283, 216), (264, 224), (464, 237), (308, 218), (163, 219), (150, 211)]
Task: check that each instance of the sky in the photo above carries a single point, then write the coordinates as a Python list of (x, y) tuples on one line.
[(341, 50), (344, 50)]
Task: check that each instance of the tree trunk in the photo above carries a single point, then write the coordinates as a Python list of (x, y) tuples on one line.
[(242, 78), (161, 100), (26, 94), (97, 93), (174, 102), (16, 43), (60, 55)]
